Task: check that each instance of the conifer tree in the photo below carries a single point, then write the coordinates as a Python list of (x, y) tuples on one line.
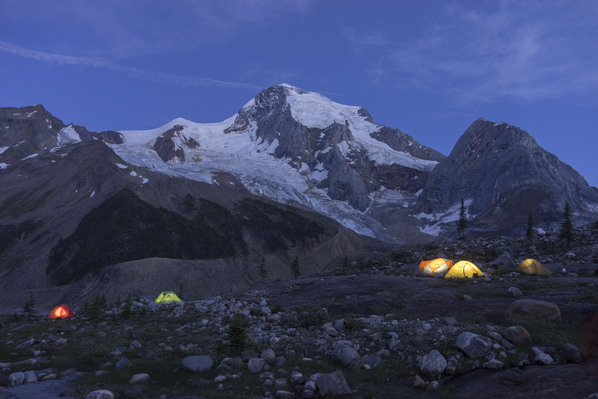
[(567, 225), (462, 225), (29, 305), (262, 269), (295, 267), (237, 333), (530, 227)]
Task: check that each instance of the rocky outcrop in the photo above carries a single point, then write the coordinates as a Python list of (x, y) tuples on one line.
[(507, 176), (166, 147), (399, 141)]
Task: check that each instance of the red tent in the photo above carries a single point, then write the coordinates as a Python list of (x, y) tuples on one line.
[(61, 312)]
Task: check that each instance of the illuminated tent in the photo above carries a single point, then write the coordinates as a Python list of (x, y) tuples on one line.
[(435, 267), (464, 269), (532, 266), (167, 297), (61, 312)]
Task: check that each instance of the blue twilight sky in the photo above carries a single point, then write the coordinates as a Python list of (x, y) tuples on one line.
[(427, 67)]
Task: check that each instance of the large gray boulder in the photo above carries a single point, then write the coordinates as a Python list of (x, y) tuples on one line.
[(16, 378), (473, 345), (433, 363), (345, 353), (197, 363), (100, 394), (533, 309), (517, 335), (256, 364), (572, 353), (333, 383)]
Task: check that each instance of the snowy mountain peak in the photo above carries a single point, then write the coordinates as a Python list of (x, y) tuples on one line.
[(311, 109), (296, 146)]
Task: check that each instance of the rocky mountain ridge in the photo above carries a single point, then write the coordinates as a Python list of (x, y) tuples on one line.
[(503, 175), (288, 157)]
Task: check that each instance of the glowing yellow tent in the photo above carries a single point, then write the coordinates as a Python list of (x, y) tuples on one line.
[(463, 269), (167, 297), (532, 266), (435, 267)]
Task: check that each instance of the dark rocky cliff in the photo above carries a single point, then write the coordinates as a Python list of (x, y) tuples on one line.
[(503, 170)]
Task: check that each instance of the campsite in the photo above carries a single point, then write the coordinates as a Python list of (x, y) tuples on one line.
[(370, 327)]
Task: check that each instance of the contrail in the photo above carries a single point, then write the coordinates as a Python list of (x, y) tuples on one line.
[(144, 74)]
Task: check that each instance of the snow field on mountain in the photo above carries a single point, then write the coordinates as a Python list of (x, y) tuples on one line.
[(251, 160), (316, 111)]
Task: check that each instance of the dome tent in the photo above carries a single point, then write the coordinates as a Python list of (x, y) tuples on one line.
[(532, 266), (167, 297), (61, 312), (464, 269), (435, 267)]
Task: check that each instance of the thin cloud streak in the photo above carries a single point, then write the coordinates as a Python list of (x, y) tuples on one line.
[(102, 63), (522, 52)]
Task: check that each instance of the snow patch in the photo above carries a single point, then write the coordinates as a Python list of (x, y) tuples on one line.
[(437, 220), (315, 110), (133, 173), (31, 113), (2, 149), (145, 180), (4, 165), (120, 165), (30, 156), (92, 194), (19, 143), (68, 135)]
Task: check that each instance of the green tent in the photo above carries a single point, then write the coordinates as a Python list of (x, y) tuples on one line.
[(167, 297)]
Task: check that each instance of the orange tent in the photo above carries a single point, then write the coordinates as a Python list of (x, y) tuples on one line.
[(61, 312), (435, 267)]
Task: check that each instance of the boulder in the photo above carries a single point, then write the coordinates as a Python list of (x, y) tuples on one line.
[(268, 355), (256, 364), (373, 360), (515, 292), (542, 357), (284, 395), (494, 364), (473, 345), (16, 378), (30, 377), (533, 309), (138, 378), (517, 335), (419, 382), (123, 362), (505, 260), (345, 353), (433, 363), (100, 394), (572, 353), (198, 363), (333, 383)]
